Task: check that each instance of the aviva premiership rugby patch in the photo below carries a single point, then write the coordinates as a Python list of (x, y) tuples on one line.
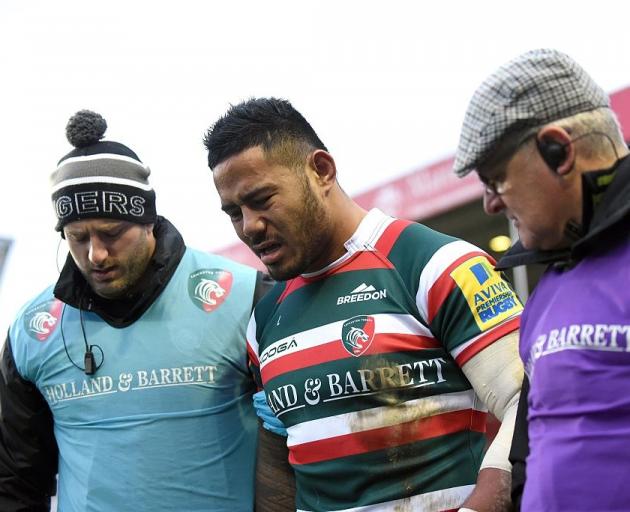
[(489, 297), (208, 288), (41, 320), (357, 334)]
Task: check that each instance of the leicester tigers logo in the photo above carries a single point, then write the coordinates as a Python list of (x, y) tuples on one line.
[(208, 288), (208, 292), (357, 334), (41, 320)]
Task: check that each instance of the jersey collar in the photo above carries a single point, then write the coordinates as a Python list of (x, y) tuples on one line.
[(364, 238)]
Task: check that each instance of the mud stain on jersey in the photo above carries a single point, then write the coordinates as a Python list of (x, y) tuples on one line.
[(400, 418)]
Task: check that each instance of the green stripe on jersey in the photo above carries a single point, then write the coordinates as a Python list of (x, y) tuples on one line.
[(454, 323), (413, 250), (338, 298), (386, 475), (265, 306), (356, 384)]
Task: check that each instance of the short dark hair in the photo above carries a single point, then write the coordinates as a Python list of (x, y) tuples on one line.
[(268, 122)]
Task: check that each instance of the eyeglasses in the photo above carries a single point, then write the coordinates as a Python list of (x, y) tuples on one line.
[(493, 186), (496, 185)]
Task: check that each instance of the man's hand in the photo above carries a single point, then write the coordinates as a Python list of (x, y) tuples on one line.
[(492, 492), (263, 411)]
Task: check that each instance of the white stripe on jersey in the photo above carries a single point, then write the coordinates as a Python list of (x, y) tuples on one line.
[(383, 323), (379, 417), (428, 502), (251, 335), (444, 257), (369, 231), (459, 349), (365, 238)]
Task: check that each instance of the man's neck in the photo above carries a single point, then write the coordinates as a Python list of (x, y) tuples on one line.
[(349, 215)]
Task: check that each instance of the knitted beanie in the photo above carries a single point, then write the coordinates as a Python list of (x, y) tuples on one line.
[(100, 179)]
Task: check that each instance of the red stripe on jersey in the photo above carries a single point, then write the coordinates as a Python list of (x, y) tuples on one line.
[(396, 342), (334, 351), (387, 240), (330, 351), (445, 284), (253, 357), (360, 260), (293, 285), (498, 332), (364, 260), (387, 437)]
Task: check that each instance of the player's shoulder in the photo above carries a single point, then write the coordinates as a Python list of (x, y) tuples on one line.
[(422, 240), (43, 297), (195, 258), (418, 246), (37, 319)]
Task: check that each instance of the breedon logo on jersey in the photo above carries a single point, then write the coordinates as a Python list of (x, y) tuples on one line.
[(42, 319), (208, 288), (489, 297), (357, 334), (361, 293)]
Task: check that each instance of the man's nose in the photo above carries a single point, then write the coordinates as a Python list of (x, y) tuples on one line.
[(253, 223), (98, 252), (492, 202)]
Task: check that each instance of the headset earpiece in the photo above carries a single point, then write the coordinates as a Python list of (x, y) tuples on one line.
[(552, 152)]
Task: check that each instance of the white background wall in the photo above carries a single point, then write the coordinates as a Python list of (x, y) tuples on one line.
[(385, 84)]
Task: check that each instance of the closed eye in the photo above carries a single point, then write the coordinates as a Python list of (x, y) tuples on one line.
[(78, 238), (234, 213), (112, 235), (259, 203)]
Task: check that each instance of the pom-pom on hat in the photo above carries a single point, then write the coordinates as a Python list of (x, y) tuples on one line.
[(100, 179)]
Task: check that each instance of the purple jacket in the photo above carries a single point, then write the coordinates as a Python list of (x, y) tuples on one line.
[(575, 344)]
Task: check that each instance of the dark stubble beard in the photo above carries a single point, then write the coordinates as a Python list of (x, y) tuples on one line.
[(135, 267), (313, 228)]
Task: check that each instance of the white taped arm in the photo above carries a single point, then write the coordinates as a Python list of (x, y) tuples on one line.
[(496, 374)]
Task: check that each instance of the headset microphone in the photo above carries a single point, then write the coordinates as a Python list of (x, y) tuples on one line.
[(88, 362), (554, 153)]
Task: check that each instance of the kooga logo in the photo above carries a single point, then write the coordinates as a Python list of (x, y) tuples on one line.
[(277, 349), (361, 293)]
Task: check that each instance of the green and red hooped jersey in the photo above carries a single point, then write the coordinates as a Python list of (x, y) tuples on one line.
[(362, 363)]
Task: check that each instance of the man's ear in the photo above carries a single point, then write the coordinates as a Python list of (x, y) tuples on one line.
[(323, 164), (556, 149)]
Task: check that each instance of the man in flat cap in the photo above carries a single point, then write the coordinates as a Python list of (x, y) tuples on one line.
[(540, 134)]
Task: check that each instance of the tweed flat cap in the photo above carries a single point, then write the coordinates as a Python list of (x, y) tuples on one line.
[(534, 89)]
